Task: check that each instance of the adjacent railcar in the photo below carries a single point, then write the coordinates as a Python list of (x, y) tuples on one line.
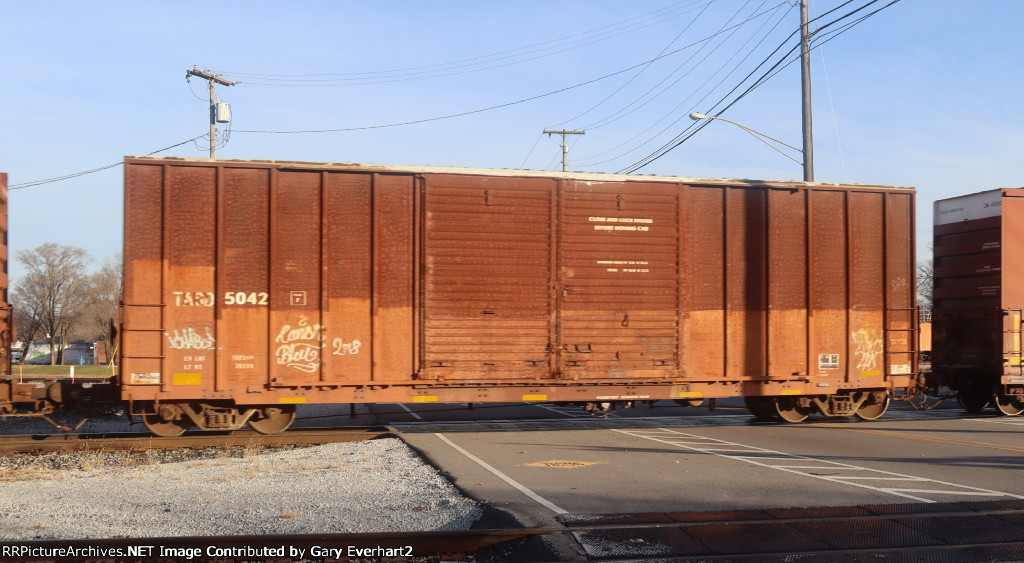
[(253, 286), (978, 298), (11, 393)]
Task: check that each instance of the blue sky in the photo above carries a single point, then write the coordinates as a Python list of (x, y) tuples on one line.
[(926, 93)]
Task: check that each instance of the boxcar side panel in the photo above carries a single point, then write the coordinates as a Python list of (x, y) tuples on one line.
[(243, 277), (1013, 285), (704, 285), (142, 312), (867, 285), (488, 268), (746, 238), (788, 319), (618, 279), (348, 318), (901, 344), (190, 203), (393, 338), (829, 284)]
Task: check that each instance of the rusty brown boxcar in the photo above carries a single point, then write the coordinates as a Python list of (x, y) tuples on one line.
[(978, 298), (252, 286)]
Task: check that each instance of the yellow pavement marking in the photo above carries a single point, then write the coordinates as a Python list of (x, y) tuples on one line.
[(563, 464)]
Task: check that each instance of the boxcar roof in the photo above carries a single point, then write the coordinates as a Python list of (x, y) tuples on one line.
[(507, 172)]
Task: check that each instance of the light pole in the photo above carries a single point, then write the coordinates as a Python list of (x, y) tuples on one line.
[(761, 137)]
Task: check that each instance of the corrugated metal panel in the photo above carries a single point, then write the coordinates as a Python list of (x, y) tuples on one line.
[(487, 280)]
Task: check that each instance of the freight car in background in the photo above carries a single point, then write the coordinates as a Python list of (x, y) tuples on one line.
[(254, 286), (978, 299)]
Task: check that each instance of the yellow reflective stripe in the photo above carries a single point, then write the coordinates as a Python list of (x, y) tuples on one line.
[(187, 379), (425, 399), (535, 398), (291, 400)]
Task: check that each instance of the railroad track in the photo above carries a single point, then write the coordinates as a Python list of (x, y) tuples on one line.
[(971, 531), (121, 441)]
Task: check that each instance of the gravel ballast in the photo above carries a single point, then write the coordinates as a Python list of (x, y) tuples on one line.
[(357, 487)]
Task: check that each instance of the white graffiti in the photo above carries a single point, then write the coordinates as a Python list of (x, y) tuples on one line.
[(299, 346), (189, 339), (868, 350), (342, 348)]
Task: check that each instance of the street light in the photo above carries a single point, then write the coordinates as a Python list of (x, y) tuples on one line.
[(757, 135)]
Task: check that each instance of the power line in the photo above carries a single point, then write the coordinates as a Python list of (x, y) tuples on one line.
[(782, 63), (503, 105), (615, 117), (93, 170), (639, 72), (735, 67), (557, 46)]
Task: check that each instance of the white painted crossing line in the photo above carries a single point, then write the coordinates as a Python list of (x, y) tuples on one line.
[(573, 411), (1009, 421), (832, 471), (515, 484)]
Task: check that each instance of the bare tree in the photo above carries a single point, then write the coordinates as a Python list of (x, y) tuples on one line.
[(100, 320), (924, 285), (55, 289)]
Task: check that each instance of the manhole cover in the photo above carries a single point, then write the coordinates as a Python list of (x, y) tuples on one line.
[(563, 464)]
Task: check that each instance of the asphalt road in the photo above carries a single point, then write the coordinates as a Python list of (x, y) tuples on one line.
[(537, 462)]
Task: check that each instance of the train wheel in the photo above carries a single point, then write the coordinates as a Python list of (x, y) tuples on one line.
[(792, 409), (874, 406), (168, 421), (272, 420), (973, 401), (762, 408), (1010, 405)]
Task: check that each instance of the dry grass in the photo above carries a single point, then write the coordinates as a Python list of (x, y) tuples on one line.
[(9, 475)]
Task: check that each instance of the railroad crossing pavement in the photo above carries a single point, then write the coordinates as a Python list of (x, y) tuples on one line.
[(541, 469)]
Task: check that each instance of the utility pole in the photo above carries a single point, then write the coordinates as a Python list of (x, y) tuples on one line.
[(805, 83), (565, 145), (213, 80)]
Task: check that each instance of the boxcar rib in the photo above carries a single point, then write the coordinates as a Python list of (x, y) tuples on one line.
[(251, 286)]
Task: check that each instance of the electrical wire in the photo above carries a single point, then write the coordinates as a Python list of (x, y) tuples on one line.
[(817, 40), (637, 102), (93, 170), (638, 73), (831, 104), (670, 113), (557, 46), (503, 105)]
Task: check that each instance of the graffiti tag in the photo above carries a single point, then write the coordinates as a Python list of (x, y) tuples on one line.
[(868, 350), (189, 339)]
